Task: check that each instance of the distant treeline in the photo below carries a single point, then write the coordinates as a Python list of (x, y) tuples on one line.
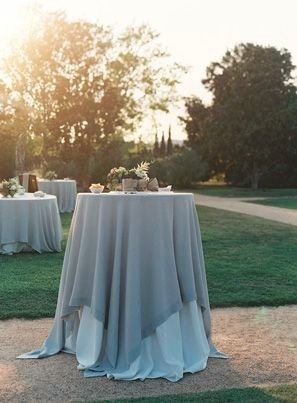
[(70, 92), (249, 132)]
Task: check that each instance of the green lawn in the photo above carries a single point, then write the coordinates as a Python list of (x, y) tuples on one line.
[(250, 262), (29, 281), (275, 394), (284, 202), (229, 191)]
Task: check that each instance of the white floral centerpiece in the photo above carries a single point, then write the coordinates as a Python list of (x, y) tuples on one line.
[(140, 172), (9, 187), (129, 179), (50, 175), (115, 177), (137, 178)]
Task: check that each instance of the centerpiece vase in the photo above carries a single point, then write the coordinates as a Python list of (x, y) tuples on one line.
[(142, 185), (129, 185)]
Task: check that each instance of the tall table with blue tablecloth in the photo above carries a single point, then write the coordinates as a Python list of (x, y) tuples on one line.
[(133, 300)]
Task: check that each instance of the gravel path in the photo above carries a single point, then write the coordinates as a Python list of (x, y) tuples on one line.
[(261, 343), (238, 205)]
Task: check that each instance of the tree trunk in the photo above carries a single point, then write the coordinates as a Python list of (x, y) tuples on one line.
[(44, 151), (86, 181)]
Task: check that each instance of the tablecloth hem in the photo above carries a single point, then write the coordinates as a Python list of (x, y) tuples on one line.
[(24, 246)]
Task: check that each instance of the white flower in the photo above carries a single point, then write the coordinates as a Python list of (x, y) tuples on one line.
[(140, 174), (142, 170)]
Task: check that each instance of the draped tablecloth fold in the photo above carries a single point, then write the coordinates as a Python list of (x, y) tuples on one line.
[(133, 263)]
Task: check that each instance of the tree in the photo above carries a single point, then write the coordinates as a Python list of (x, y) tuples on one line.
[(162, 145), (169, 142), (156, 146), (198, 125), (7, 160), (13, 128), (7, 141), (250, 125), (85, 85), (195, 123)]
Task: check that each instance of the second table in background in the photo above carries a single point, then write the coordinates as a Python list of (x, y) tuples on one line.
[(63, 189)]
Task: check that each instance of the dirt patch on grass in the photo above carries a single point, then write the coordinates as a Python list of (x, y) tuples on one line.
[(261, 343)]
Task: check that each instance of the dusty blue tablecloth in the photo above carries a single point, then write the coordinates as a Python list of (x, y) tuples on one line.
[(64, 190), (29, 223), (134, 261)]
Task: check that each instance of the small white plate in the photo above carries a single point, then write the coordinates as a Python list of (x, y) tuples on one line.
[(167, 189)]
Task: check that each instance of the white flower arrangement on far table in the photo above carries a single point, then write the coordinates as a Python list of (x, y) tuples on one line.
[(9, 187), (50, 175)]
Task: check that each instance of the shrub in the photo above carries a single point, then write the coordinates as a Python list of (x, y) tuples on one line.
[(181, 170)]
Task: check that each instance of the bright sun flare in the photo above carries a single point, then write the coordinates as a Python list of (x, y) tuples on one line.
[(7, 20), (11, 19)]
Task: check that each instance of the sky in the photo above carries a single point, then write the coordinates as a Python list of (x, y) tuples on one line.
[(195, 32)]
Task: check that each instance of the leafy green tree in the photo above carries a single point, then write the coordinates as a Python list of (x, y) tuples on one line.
[(196, 123), (251, 125), (198, 128), (7, 161), (85, 85), (13, 128), (7, 141)]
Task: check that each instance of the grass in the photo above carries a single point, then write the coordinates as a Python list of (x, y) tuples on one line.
[(284, 202), (250, 262), (275, 394), (29, 281), (229, 191)]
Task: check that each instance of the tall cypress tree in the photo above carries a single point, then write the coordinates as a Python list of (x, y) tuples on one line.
[(162, 145), (156, 146), (169, 142)]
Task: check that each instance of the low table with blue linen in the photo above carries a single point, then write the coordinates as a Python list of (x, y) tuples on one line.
[(63, 189), (29, 223)]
